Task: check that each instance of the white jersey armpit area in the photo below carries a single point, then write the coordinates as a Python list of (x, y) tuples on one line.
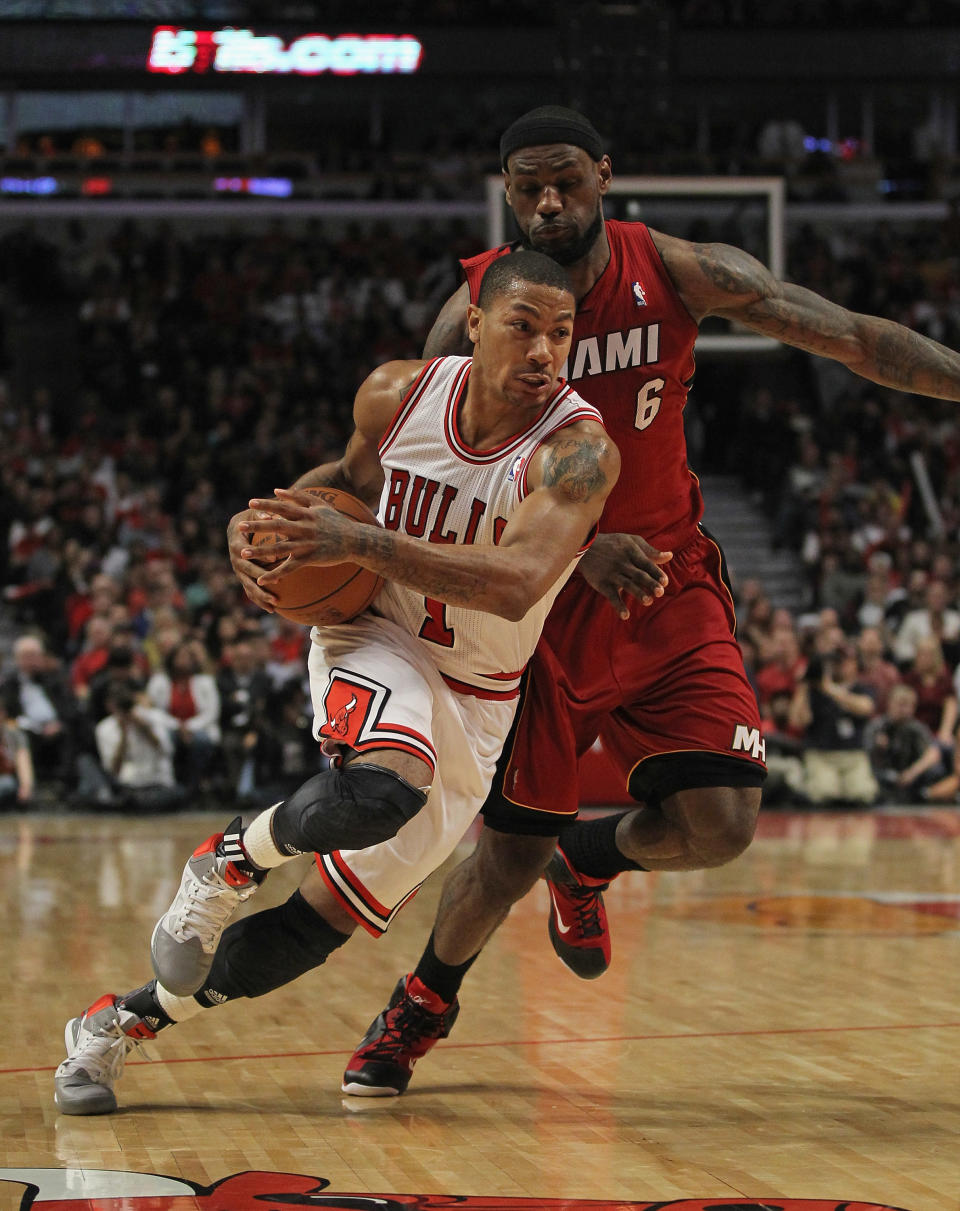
[(439, 682)]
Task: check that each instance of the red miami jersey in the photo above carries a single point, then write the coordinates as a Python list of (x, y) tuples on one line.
[(437, 488), (632, 358)]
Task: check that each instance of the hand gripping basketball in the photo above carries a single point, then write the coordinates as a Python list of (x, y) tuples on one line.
[(321, 595)]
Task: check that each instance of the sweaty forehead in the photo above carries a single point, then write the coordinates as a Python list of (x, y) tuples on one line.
[(548, 157), (536, 297)]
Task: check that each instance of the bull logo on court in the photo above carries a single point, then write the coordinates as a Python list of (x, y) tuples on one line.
[(111, 1190)]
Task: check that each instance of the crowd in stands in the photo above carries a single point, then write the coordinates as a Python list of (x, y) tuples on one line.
[(215, 364), (862, 714), (208, 367)]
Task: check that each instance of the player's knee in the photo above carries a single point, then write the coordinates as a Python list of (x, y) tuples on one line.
[(727, 826), (510, 864), (351, 808)]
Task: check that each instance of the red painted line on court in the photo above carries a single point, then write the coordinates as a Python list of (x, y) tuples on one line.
[(579, 1040)]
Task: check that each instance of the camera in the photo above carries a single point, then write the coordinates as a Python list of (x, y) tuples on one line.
[(122, 700)]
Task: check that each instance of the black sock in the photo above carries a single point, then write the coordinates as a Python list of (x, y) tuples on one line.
[(441, 978), (143, 1002), (591, 847)]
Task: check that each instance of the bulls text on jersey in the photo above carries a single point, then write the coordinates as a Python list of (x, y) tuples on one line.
[(419, 506)]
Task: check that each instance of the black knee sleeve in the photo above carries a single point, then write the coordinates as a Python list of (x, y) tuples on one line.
[(351, 808), (262, 952)]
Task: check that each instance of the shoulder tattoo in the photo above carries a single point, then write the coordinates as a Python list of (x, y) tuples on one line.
[(729, 269), (573, 464), (404, 391)]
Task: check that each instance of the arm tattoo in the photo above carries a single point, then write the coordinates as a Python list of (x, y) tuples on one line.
[(729, 269), (405, 389), (730, 282), (458, 585), (573, 464), (912, 362)]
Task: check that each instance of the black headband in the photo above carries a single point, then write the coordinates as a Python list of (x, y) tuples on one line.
[(551, 124)]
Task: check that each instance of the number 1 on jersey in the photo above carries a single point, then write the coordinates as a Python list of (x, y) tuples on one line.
[(434, 627)]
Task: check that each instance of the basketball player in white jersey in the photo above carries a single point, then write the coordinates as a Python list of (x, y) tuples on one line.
[(490, 475)]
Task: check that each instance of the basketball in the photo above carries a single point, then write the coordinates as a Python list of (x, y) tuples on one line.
[(322, 596)]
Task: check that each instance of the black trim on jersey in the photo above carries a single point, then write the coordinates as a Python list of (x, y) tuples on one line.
[(724, 569)]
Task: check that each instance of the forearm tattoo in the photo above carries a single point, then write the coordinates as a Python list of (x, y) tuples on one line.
[(459, 585)]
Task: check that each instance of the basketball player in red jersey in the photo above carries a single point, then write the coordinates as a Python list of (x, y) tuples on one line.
[(663, 686)]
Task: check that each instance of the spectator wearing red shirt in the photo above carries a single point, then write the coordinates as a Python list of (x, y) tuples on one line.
[(187, 693)]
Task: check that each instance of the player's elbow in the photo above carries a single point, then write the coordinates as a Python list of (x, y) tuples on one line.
[(512, 606), (513, 599)]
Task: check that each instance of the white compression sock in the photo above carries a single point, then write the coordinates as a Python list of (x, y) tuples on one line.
[(177, 1008), (258, 842)]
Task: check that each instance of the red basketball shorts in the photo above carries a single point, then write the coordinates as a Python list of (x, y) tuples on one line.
[(665, 692)]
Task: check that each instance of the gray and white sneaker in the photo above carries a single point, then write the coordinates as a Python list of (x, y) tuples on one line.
[(186, 936), (97, 1045)]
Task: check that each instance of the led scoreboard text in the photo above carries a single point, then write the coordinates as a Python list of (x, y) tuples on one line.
[(174, 51)]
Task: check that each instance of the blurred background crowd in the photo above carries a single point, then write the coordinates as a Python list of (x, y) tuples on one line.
[(155, 371)]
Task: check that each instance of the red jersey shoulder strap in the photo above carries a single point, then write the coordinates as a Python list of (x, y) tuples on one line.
[(476, 266)]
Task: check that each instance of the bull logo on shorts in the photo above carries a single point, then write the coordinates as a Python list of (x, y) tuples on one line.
[(338, 723), (346, 705)]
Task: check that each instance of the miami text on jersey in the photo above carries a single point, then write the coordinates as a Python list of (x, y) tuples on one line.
[(615, 351)]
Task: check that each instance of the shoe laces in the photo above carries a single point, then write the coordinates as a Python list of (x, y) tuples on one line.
[(104, 1052), (587, 904), (209, 902), (407, 1024)]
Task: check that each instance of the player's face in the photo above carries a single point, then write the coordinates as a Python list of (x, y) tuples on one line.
[(555, 192), (522, 339)]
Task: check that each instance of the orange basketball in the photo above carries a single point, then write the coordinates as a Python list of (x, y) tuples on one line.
[(321, 596)]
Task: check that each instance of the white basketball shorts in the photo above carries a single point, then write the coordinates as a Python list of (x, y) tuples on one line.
[(375, 686)]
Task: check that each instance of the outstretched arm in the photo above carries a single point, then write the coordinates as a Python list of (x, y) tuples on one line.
[(718, 279)]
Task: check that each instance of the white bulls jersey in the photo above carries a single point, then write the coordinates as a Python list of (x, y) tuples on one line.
[(439, 489)]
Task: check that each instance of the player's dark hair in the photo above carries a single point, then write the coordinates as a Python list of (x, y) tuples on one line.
[(523, 266)]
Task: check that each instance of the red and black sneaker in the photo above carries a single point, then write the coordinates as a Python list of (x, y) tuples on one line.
[(578, 919), (412, 1022)]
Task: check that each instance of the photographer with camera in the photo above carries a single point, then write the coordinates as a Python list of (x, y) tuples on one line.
[(833, 707), (136, 752), (904, 753)]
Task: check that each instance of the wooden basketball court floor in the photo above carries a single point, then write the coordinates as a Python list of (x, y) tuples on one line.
[(786, 1027)]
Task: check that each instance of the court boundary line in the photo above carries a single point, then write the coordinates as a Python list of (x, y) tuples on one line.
[(579, 1040)]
